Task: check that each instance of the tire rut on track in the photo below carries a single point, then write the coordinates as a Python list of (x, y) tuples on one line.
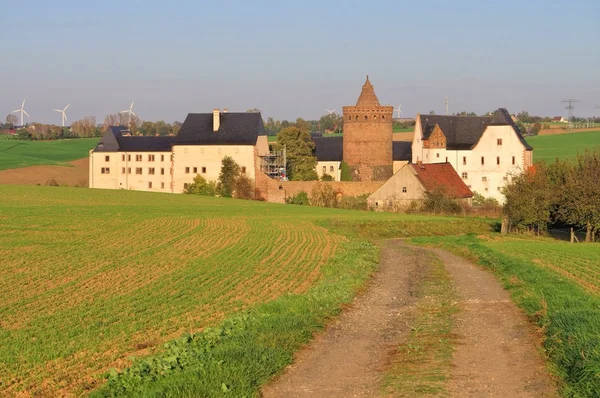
[(495, 355)]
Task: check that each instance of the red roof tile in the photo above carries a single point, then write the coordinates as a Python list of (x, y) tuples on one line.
[(437, 175)]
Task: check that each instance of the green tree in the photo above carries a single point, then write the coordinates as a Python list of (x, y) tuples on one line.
[(230, 171), (201, 187), (299, 146), (529, 199), (346, 175), (580, 202)]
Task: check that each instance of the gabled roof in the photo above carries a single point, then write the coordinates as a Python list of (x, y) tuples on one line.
[(464, 132), (234, 129), (402, 150), (328, 149), (114, 141), (367, 95), (443, 175)]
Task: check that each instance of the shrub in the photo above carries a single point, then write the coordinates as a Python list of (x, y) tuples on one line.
[(354, 202), (535, 129), (323, 195), (413, 208), (244, 188), (299, 199), (201, 187), (51, 182), (438, 202), (326, 177)]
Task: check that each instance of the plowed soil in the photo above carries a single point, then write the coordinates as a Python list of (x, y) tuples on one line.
[(34, 175)]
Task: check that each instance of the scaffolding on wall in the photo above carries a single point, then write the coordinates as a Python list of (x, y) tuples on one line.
[(274, 164)]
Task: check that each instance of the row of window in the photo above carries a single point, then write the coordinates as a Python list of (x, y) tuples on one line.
[(366, 117), (465, 176), (487, 189), (194, 170), (331, 169), (464, 159), (139, 171), (138, 158), (162, 185)]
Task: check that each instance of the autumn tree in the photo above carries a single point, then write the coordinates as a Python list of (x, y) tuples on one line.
[(299, 150), (580, 202)]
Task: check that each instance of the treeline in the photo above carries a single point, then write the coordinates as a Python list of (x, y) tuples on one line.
[(85, 128), (560, 193)]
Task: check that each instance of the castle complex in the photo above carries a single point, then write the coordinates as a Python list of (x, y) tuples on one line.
[(367, 144)]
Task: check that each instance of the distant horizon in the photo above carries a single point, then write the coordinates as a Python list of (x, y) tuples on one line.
[(296, 60)]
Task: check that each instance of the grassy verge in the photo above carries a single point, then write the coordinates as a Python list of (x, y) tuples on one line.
[(422, 226), (245, 351), (422, 363), (567, 314)]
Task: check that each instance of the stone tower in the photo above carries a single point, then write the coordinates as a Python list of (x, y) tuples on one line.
[(368, 137)]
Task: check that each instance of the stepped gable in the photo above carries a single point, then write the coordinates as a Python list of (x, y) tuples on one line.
[(464, 132)]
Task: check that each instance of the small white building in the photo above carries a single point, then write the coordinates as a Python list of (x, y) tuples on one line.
[(485, 151)]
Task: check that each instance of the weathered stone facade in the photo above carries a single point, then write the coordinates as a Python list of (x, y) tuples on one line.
[(368, 137)]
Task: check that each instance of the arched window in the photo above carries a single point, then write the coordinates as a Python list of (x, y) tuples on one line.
[(374, 117), (356, 117), (366, 117), (383, 117)]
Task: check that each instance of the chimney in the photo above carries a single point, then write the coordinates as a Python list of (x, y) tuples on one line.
[(216, 120), (225, 110)]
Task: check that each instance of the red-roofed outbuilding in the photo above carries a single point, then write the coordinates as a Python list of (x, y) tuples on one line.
[(412, 181)]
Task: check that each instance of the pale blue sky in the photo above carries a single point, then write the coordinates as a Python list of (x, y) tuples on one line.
[(296, 59)]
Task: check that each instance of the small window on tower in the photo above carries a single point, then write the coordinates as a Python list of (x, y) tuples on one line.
[(498, 160), (464, 160), (513, 160), (499, 141), (403, 189), (437, 155)]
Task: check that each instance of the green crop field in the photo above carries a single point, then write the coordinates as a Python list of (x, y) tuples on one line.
[(563, 146), (400, 129), (18, 153), (557, 284), (91, 278)]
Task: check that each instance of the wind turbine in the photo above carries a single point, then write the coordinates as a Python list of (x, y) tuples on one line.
[(130, 112), (22, 110), (446, 102), (63, 114), (399, 110), (330, 112)]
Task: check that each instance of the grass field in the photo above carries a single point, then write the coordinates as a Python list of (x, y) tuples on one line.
[(563, 146), (91, 278), (18, 153), (556, 283)]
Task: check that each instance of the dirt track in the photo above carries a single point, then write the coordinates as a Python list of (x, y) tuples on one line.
[(496, 354), (33, 175)]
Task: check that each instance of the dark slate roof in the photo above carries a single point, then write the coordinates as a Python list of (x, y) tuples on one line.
[(464, 132), (114, 141), (435, 175), (328, 149), (402, 150), (235, 129)]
